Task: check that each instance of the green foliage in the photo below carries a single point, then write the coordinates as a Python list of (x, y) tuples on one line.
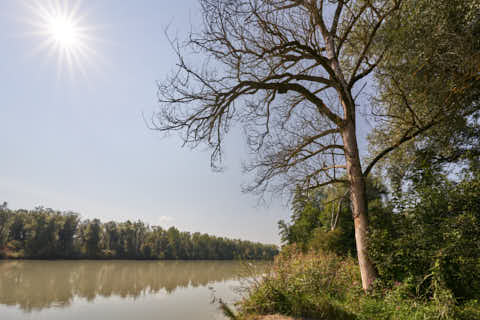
[(4, 224), (322, 218), (41, 235), (304, 285), (306, 217), (68, 226), (323, 285), (433, 238), (92, 238), (48, 234), (470, 310), (430, 241), (429, 84)]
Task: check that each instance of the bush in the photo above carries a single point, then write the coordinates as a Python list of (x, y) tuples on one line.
[(435, 237), (322, 285), (338, 241), (469, 311), (304, 285)]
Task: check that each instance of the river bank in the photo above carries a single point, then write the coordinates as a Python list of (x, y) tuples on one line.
[(323, 285)]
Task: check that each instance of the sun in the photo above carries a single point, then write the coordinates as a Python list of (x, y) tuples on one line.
[(63, 32)]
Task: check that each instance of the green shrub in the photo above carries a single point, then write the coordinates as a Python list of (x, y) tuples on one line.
[(322, 285), (433, 236), (339, 241), (306, 285), (469, 311)]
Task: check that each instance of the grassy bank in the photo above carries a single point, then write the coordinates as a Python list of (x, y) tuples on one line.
[(320, 285)]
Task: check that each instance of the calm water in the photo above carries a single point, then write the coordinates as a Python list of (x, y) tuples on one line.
[(136, 290)]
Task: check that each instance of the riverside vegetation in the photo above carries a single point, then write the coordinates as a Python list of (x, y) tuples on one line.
[(48, 234), (425, 246)]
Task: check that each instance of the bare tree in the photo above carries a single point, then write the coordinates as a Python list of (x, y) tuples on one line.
[(288, 71)]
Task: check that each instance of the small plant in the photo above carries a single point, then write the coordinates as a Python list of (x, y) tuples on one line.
[(227, 310)]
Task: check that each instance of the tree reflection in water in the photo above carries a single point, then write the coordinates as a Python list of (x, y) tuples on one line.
[(35, 285)]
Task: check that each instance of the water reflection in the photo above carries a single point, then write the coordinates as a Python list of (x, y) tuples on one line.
[(35, 285)]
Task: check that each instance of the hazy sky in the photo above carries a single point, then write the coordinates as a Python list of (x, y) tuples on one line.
[(76, 140)]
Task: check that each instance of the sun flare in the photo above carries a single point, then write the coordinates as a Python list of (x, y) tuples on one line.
[(64, 33)]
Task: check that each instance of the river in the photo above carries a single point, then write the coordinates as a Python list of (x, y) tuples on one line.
[(89, 290)]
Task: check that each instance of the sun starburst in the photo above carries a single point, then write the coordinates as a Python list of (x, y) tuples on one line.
[(64, 33)]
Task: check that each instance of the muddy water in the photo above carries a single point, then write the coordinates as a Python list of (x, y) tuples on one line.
[(118, 289)]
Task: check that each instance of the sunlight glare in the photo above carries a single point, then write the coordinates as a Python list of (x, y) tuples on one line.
[(64, 33)]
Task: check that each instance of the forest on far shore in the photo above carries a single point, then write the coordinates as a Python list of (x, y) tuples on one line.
[(44, 233)]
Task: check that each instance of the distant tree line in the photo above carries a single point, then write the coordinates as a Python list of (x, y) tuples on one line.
[(43, 233)]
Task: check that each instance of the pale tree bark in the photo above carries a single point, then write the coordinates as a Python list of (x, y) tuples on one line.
[(359, 204), (358, 196)]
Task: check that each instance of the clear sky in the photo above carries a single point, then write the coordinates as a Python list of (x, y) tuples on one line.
[(73, 138)]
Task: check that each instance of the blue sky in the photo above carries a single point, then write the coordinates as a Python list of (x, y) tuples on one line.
[(74, 141)]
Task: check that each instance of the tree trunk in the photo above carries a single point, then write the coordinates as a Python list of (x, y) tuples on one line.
[(359, 204)]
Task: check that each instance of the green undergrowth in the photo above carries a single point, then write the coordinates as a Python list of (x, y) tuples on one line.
[(323, 285)]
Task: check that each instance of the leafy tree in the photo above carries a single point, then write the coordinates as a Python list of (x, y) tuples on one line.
[(173, 247), (433, 236), (112, 238), (18, 230), (140, 233), (321, 218), (93, 236), (41, 234), (68, 227), (148, 247), (306, 217), (4, 224), (160, 241), (429, 87), (430, 98), (128, 236)]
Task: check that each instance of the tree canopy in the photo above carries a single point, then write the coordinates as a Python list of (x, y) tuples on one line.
[(429, 86)]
